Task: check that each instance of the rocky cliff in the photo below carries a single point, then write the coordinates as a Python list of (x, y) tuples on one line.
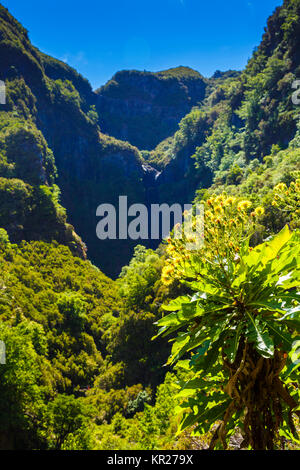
[(49, 127)]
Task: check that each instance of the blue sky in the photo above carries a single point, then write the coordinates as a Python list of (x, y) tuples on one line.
[(100, 37)]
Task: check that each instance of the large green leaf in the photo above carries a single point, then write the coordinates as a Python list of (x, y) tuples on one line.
[(216, 412), (204, 413), (292, 317), (187, 312), (262, 254), (263, 342), (232, 342), (176, 304), (271, 305), (205, 362), (194, 384), (281, 337), (178, 348)]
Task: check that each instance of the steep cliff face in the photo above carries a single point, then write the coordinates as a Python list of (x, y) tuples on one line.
[(144, 108), (49, 125), (62, 138)]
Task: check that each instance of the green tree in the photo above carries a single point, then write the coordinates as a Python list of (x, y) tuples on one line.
[(66, 416), (73, 307), (240, 324), (21, 391)]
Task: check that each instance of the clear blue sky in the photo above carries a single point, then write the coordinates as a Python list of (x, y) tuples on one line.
[(100, 37)]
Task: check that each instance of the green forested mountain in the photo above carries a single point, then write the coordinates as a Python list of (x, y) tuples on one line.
[(93, 168), (144, 108), (81, 370), (55, 106)]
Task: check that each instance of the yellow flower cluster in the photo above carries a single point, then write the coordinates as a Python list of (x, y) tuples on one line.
[(228, 221), (167, 274)]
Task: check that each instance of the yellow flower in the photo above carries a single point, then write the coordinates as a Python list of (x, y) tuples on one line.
[(218, 210), (244, 205), (259, 211), (230, 201), (219, 199), (280, 187), (167, 270)]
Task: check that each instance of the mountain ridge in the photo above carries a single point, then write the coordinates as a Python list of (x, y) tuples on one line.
[(95, 168), (59, 104)]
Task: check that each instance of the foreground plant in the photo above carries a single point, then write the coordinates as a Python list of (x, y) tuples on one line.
[(239, 332)]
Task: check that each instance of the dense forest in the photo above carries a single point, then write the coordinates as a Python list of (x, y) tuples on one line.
[(124, 345)]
